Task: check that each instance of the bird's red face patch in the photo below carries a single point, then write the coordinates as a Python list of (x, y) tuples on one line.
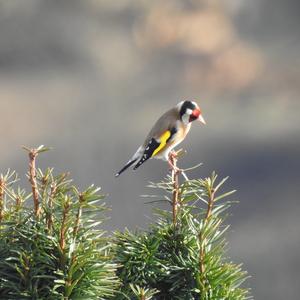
[(195, 114)]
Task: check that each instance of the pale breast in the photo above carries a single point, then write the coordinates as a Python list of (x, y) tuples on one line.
[(182, 131), (179, 136)]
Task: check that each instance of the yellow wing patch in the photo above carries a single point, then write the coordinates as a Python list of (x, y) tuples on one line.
[(163, 141)]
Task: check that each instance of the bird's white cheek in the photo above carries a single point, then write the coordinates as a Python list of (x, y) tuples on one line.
[(186, 119)]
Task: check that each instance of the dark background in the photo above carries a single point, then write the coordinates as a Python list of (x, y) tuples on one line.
[(89, 78)]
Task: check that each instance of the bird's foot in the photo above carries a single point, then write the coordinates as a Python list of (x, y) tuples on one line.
[(173, 154)]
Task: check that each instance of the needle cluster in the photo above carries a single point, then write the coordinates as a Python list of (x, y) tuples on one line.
[(52, 250), (52, 247), (182, 256)]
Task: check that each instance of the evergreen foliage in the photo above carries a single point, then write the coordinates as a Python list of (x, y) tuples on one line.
[(51, 246), (53, 250), (185, 259)]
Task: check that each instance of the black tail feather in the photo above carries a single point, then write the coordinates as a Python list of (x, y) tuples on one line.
[(131, 162), (141, 161)]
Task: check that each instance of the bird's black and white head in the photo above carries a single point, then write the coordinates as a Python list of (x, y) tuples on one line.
[(190, 111)]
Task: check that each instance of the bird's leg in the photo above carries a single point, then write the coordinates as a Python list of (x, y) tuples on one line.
[(173, 154)]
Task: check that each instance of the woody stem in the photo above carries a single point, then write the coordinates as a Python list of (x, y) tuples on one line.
[(32, 178), (175, 182), (2, 184)]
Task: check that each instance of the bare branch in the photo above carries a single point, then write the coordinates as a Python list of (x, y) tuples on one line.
[(63, 228), (2, 185), (32, 179), (78, 215), (175, 183), (53, 189)]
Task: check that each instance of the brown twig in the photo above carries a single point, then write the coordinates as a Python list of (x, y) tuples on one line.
[(210, 203), (18, 203), (32, 179), (63, 228), (2, 185), (78, 216), (175, 182), (202, 254), (211, 199), (53, 189), (207, 216)]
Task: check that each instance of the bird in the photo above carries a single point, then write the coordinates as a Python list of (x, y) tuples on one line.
[(167, 133)]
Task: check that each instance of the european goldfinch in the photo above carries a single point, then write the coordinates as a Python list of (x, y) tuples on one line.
[(169, 131)]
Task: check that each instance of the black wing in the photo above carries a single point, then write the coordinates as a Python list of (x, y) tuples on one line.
[(153, 145)]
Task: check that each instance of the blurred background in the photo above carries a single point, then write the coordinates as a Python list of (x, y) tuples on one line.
[(89, 78)]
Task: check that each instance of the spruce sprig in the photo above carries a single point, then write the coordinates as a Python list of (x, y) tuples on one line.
[(51, 246), (55, 249), (182, 256)]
